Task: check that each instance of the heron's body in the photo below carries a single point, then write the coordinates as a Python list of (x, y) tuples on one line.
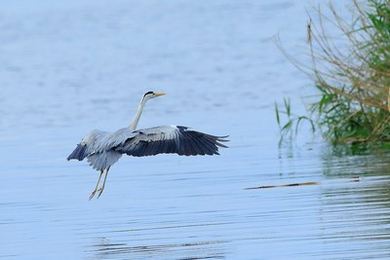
[(103, 149)]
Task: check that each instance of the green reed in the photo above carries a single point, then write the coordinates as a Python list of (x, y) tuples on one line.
[(353, 80)]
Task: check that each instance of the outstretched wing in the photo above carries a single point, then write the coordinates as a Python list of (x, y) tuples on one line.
[(170, 139), (90, 144), (97, 148)]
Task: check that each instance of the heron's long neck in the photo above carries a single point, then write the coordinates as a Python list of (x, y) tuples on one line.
[(140, 108)]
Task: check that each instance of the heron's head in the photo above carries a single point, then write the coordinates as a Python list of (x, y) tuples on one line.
[(151, 94)]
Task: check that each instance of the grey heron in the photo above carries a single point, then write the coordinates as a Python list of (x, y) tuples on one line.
[(103, 149)]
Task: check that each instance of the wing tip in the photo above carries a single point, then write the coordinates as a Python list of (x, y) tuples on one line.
[(78, 153)]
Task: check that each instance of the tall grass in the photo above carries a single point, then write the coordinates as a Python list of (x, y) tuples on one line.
[(351, 72)]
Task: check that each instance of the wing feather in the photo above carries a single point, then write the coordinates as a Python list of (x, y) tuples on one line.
[(169, 139)]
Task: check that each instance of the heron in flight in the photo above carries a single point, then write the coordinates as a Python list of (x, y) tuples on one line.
[(103, 149)]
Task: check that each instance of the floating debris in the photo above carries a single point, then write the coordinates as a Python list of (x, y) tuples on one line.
[(285, 185)]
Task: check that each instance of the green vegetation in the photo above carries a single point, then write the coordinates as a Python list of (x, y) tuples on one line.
[(291, 126), (351, 70)]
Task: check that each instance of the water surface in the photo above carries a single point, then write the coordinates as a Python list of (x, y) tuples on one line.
[(68, 67)]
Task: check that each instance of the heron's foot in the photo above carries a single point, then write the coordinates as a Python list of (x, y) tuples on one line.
[(99, 192), (96, 193), (92, 194)]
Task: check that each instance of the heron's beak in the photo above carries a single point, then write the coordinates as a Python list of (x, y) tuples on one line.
[(157, 94)]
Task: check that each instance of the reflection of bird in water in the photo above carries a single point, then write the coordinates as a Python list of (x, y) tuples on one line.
[(103, 149)]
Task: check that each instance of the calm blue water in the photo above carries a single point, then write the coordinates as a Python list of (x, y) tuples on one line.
[(70, 66)]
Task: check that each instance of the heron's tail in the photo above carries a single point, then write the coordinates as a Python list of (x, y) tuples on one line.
[(79, 153)]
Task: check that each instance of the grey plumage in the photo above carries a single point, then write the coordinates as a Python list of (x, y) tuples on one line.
[(103, 149), (170, 139)]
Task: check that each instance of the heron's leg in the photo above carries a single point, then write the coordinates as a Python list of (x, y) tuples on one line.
[(96, 187), (100, 190)]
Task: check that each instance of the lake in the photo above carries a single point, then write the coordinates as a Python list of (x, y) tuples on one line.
[(68, 67)]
